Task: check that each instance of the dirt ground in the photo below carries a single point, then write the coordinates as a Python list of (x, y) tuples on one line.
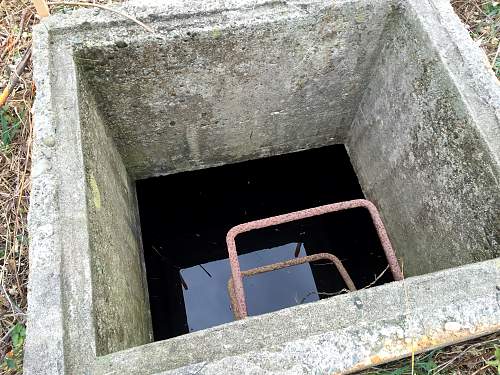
[(17, 17)]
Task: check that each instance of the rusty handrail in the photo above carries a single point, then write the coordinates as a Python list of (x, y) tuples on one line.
[(239, 292), (289, 263)]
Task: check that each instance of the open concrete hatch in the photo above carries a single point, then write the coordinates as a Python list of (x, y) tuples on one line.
[(150, 147), (184, 236)]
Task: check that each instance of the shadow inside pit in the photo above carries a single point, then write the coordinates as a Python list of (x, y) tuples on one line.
[(185, 218)]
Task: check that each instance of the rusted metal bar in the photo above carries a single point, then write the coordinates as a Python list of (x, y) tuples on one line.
[(289, 263), (239, 292)]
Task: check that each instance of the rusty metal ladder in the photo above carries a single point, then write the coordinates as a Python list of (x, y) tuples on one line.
[(235, 283)]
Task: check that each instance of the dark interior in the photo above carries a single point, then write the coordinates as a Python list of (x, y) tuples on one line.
[(185, 218)]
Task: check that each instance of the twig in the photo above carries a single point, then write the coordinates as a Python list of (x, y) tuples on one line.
[(204, 269), (21, 29), (442, 366), (496, 57), (342, 291), (183, 282), (2, 340), (481, 369), (201, 368), (14, 78), (297, 249), (157, 252), (407, 316), (377, 278), (15, 309), (77, 3)]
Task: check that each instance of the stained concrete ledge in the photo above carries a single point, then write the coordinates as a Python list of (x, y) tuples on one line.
[(346, 333), (87, 297)]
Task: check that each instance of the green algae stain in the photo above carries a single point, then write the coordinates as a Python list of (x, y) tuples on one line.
[(216, 33), (360, 18), (96, 194)]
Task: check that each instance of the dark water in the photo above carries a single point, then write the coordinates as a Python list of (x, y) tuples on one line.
[(185, 218)]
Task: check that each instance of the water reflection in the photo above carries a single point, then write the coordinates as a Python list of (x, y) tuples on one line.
[(206, 299)]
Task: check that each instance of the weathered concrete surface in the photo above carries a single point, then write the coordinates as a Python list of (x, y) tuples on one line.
[(67, 247), (339, 334), (228, 88), (399, 82), (120, 297), (427, 160)]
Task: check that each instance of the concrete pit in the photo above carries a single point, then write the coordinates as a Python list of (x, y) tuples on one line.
[(184, 237), (398, 83)]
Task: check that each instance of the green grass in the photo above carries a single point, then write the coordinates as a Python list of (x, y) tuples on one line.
[(9, 128), (480, 357), (13, 359), (424, 365), (496, 363)]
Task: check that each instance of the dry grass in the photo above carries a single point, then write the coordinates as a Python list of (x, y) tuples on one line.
[(469, 358), (16, 130), (482, 19), (16, 20)]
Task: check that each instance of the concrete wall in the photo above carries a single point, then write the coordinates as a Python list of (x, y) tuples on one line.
[(208, 95), (68, 297), (421, 156), (332, 336), (400, 82), (120, 296)]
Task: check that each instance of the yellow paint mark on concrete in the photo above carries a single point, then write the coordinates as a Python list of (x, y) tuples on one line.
[(96, 194), (399, 348)]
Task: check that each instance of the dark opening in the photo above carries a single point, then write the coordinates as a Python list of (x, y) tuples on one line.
[(185, 218)]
